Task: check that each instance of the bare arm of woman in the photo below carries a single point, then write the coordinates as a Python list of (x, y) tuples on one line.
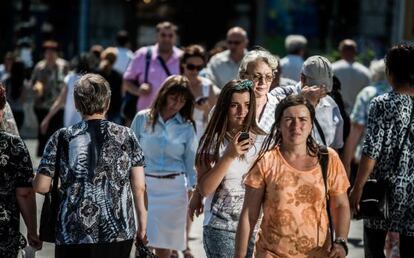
[(350, 146), (210, 177), (26, 200), (41, 183), (248, 218), (366, 166), (341, 219), (138, 191), (57, 105)]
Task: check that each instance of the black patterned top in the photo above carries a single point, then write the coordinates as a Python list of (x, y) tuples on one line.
[(15, 171), (388, 121), (96, 204)]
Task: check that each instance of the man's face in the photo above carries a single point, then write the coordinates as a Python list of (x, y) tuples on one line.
[(166, 39), (236, 43), (50, 55)]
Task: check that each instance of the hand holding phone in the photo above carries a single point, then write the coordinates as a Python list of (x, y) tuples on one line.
[(243, 136)]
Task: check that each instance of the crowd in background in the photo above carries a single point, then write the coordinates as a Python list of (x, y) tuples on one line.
[(239, 135)]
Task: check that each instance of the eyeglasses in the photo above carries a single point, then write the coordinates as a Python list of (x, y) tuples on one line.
[(194, 67), (234, 42), (260, 77)]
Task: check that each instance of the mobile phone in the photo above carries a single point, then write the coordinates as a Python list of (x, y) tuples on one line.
[(243, 136)]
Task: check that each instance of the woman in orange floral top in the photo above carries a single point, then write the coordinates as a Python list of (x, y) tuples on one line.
[(287, 183)]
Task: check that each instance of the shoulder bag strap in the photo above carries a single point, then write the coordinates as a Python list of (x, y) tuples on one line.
[(324, 161), (320, 131), (55, 188), (164, 66), (147, 63)]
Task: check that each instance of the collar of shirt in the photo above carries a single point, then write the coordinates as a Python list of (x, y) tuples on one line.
[(324, 102), (176, 118), (226, 56), (175, 55)]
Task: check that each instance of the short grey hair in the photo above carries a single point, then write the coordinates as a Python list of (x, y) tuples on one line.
[(377, 68), (254, 56), (92, 94), (295, 43), (237, 30)]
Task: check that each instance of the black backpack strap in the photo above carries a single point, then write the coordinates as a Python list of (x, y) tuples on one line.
[(324, 162), (147, 63), (320, 131), (164, 66)]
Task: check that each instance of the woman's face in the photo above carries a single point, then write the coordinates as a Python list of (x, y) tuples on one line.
[(262, 76), (295, 125), (193, 66), (175, 102), (238, 110)]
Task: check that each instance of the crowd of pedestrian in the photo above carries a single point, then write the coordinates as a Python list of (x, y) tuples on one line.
[(275, 152)]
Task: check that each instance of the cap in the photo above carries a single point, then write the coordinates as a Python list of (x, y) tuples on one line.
[(318, 71)]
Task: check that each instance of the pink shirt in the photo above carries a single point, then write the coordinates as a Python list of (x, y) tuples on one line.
[(156, 74)]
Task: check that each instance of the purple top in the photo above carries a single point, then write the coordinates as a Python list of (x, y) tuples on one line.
[(156, 74)]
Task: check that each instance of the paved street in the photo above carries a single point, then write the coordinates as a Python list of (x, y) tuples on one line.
[(355, 236)]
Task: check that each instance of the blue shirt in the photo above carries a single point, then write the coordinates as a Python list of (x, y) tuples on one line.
[(170, 148)]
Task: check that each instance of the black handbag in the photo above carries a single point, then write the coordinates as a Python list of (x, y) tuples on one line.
[(48, 216), (143, 251), (374, 201)]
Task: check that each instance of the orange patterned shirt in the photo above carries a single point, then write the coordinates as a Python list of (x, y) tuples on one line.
[(295, 222)]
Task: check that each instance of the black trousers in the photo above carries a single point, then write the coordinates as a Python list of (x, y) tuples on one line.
[(374, 242), (104, 250), (55, 124)]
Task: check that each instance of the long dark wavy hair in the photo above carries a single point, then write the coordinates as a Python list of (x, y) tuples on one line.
[(213, 137), (274, 139), (173, 85)]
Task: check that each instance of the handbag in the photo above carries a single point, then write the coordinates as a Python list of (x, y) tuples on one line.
[(374, 202), (142, 251), (48, 216)]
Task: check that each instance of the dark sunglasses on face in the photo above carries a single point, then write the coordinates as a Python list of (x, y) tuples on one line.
[(194, 67), (233, 42)]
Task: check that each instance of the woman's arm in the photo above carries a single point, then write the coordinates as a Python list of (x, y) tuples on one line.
[(341, 220), (57, 105), (41, 183), (189, 158), (340, 214), (26, 200), (210, 177), (351, 144), (366, 167), (248, 218), (138, 191)]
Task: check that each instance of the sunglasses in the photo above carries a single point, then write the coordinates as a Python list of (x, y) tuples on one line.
[(234, 42), (194, 67)]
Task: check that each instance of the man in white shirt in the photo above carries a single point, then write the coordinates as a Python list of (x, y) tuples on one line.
[(353, 75), (224, 66), (124, 54), (292, 63), (316, 80)]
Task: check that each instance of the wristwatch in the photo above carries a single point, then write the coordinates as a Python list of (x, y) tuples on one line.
[(342, 242)]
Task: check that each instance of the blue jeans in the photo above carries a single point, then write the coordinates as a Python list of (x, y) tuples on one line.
[(220, 243)]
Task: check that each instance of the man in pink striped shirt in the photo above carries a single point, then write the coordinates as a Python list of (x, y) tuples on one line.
[(163, 59)]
